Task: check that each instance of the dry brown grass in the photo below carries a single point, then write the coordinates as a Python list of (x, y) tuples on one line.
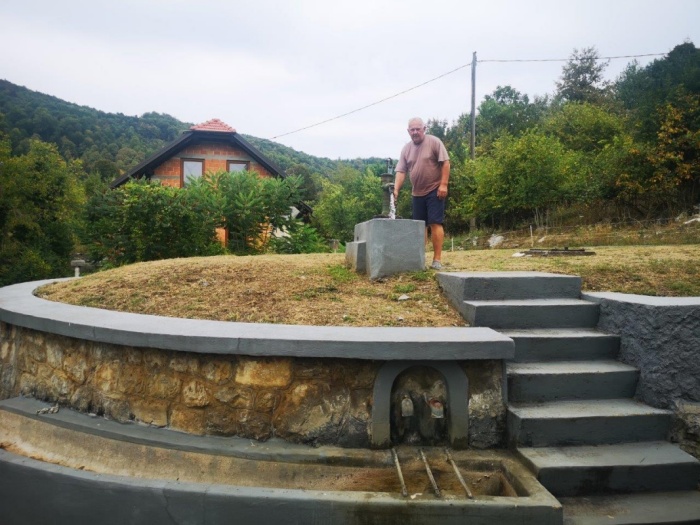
[(317, 289)]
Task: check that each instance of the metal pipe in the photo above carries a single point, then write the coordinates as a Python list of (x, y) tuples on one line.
[(404, 490), (430, 474), (459, 474)]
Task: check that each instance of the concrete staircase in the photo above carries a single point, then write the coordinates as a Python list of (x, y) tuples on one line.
[(571, 412)]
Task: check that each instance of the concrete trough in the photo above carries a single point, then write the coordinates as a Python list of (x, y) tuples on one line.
[(86, 469)]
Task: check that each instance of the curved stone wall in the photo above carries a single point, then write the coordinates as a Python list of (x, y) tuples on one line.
[(298, 383)]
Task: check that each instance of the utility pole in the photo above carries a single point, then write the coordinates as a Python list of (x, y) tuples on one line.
[(472, 138)]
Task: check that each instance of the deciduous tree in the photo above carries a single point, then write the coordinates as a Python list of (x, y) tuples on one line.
[(40, 204), (582, 77)]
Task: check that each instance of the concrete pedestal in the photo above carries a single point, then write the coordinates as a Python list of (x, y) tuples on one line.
[(384, 247)]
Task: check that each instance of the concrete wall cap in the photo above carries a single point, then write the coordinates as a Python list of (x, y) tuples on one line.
[(647, 300), (19, 306)]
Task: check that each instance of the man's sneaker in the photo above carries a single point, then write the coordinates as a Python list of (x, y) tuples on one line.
[(436, 265)]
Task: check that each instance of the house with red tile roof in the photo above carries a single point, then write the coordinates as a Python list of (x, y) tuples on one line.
[(208, 147), (211, 146)]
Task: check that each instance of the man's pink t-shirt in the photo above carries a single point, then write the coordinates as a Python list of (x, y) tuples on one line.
[(423, 163)]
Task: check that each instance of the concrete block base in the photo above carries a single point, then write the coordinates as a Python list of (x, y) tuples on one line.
[(356, 256), (384, 247)]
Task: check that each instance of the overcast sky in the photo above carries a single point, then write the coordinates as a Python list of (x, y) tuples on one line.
[(269, 67)]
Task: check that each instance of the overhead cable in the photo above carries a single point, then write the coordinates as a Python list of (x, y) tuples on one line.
[(375, 103), (449, 73)]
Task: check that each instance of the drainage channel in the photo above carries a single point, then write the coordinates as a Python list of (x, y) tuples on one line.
[(429, 472)]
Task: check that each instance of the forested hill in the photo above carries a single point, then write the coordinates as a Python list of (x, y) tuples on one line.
[(111, 143)]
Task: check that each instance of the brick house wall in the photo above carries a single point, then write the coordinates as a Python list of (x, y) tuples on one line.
[(215, 156)]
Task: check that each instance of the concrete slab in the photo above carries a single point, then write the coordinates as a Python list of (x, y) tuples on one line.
[(562, 344), (532, 313), (559, 380), (585, 422), (618, 455), (494, 286), (624, 467)]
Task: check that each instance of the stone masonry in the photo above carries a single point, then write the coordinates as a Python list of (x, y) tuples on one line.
[(303, 400)]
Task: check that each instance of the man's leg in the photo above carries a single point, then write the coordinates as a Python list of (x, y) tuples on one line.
[(437, 234), (435, 218)]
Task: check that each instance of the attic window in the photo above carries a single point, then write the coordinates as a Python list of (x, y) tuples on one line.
[(237, 165), (191, 169)]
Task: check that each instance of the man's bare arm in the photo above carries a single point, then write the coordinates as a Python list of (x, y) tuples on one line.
[(444, 179), (398, 182)]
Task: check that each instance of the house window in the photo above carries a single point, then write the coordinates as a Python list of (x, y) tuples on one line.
[(191, 169), (237, 165)]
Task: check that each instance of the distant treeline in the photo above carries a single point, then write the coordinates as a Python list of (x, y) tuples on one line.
[(110, 144)]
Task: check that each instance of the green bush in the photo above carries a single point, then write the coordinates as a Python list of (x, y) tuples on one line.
[(299, 238), (252, 206), (144, 221)]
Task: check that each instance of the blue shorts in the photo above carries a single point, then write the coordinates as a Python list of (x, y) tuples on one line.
[(429, 208)]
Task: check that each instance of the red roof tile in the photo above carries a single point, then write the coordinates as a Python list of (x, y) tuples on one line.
[(213, 125)]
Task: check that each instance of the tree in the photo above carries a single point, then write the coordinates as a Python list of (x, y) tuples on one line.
[(523, 178), (348, 198), (40, 203), (584, 127), (507, 110), (643, 90), (676, 159), (582, 77), (659, 171), (311, 185), (664, 177)]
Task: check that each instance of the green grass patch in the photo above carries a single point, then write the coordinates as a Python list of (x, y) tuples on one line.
[(422, 276), (341, 274), (404, 288)]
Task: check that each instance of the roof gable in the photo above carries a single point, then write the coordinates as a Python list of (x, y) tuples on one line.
[(213, 130)]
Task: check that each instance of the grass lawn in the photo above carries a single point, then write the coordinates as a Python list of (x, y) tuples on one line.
[(317, 289)]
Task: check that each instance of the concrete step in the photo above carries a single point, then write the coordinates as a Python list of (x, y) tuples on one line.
[(676, 508), (535, 313), (625, 467), (587, 422), (565, 344), (490, 286), (559, 380)]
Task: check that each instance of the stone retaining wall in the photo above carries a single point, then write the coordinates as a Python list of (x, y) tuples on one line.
[(661, 337), (305, 400)]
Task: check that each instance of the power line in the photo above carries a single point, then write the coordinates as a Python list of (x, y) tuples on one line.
[(568, 59), (446, 74), (375, 103)]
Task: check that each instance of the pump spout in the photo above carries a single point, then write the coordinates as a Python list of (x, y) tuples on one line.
[(406, 406)]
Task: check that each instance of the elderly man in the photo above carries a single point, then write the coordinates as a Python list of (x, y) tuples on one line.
[(428, 164)]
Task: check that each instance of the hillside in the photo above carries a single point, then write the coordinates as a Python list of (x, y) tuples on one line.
[(111, 143)]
